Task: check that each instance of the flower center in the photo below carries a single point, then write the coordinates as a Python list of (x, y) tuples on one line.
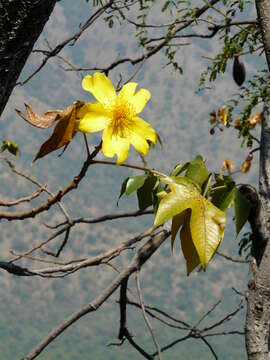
[(122, 117)]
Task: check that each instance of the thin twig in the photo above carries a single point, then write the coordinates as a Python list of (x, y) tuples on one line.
[(21, 200), (207, 313), (225, 319), (209, 347), (86, 144), (239, 261), (35, 182), (148, 309), (75, 265), (142, 255), (56, 198), (151, 330), (71, 40)]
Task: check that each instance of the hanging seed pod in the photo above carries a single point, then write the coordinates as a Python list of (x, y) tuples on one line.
[(239, 71)]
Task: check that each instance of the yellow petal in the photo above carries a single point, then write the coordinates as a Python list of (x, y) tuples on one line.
[(140, 144), (93, 117), (139, 100), (144, 129), (100, 86), (222, 115), (87, 83), (128, 90), (90, 107), (93, 122), (121, 147), (107, 145)]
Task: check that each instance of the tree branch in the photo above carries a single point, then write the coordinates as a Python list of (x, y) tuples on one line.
[(151, 330), (143, 254), (56, 198), (71, 40)]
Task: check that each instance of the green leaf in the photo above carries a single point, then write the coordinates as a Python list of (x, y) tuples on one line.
[(145, 193), (242, 210), (10, 147), (207, 222), (178, 169), (228, 199), (188, 248), (134, 183), (159, 188), (123, 189), (197, 171), (206, 189), (177, 222), (222, 194)]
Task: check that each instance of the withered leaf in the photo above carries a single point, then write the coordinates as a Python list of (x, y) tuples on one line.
[(49, 117), (40, 121), (63, 133)]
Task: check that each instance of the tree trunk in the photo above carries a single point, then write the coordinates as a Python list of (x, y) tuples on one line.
[(258, 299), (21, 22)]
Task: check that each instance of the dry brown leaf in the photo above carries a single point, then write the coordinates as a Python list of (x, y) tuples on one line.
[(247, 164), (40, 121), (237, 124), (228, 165), (63, 133)]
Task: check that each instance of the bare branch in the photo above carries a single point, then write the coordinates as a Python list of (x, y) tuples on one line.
[(154, 49), (239, 261), (71, 41), (225, 319), (150, 309), (143, 254), (24, 199), (207, 313), (154, 316), (56, 198), (61, 246), (75, 265), (151, 330), (136, 346), (67, 227), (112, 217), (209, 347), (123, 309), (35, 182)]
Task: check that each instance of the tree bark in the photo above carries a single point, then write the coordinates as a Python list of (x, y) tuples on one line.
[(21, 22), (258, 299)]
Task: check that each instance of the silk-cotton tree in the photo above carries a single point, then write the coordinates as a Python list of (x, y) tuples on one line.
[(191, 200)]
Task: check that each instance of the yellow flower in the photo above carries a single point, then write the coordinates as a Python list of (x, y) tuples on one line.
[(222, 115), (255, 119), (117, 116)]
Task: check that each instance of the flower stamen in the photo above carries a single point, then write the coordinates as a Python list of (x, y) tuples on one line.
[(123, 114)]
